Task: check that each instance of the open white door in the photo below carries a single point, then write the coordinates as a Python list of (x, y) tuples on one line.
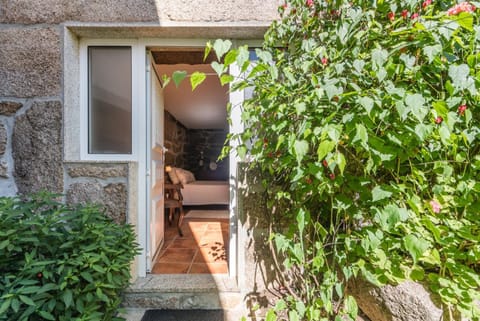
[(155, 163)]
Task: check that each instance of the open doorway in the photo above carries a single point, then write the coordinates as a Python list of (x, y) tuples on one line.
[(194, 130)]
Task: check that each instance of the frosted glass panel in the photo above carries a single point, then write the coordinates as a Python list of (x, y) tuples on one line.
[(110, 100)]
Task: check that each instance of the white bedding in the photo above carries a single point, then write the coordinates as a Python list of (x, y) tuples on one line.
[(206, 193)]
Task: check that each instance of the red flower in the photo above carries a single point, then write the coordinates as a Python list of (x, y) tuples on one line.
[(324, 61), (309, 3), (461, 109), (308, 180), (391, 16), (461, 7), (414, 16), (426, 3), (438, 120), (404, 14), (284, 6), (325, 163), (39, 275), (332, 176)]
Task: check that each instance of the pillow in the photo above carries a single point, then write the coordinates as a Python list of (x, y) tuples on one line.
[(173, 176), (184, 176)]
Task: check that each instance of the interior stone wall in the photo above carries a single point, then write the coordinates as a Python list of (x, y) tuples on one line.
[(209, 143), (175, 140)]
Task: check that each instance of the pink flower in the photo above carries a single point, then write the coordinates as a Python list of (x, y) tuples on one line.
[(324, 61), (391, 16), (426, 3), (461, 109), (414, 16), (438, 120), (332, 176), (309, 3), (436, 207), (461, 7), (404, 14), (284, 6)]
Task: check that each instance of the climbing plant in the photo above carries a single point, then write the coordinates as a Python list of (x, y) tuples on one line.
[(365, 121)]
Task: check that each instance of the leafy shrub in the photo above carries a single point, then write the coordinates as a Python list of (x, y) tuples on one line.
[(59, 262), (365, 119)]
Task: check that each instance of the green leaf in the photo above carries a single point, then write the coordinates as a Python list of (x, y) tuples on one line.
[(230, 57), (225, 79), (351, 306), (26, 300), (197, 78), (416, 104), (341, 162), (379, 194), (46, 315), (300, 107), (325, 147), (301, 149), (367, 103), (5, 305), (208, 48), (178, 77), (432, 51), (271, 316), (361, 134), (358, 65), (221, 47), (67, 297), (415, 246), (465, 20), (219, 68), (379, 57)]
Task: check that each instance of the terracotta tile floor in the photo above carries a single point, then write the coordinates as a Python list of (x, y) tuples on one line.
[(202, 249)]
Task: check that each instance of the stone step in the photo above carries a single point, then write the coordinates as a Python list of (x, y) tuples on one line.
[(184, 292)]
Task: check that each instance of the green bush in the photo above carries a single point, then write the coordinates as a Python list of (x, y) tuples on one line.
[(365, 118), (59, 262)]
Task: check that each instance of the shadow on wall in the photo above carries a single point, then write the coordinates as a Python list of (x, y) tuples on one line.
[(262, 277)]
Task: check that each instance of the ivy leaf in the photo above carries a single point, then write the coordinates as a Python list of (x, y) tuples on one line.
[(300, 108), (432, 51), (415, 246), (219, 68), (208, 48), (178, 76), (225, 79), (416, 104), (361, 134), (230, 57), (196, 79), (465, 20), (221, 47), (358, 65), (341, 162), (379, 194), (366, 103), (379, 57), (325, 147), (460, 76), (301, 149)]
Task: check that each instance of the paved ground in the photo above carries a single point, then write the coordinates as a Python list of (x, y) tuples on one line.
[(183, 315)]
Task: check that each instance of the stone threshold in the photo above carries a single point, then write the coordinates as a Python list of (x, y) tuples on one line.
[(190, 283)]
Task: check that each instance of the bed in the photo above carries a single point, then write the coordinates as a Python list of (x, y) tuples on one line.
[(206, 193)]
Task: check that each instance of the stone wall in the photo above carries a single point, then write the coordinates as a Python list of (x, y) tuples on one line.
[(175, 140), (104, 184), (206, 145)]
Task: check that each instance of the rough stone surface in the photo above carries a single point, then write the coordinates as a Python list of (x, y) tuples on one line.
[(98, 171), (37, 148), (9, 108), (115, 200), (3, 139), (408, 301), (218, 10), (4, 169), (30, 61), (57, 11), (85, 193), (113, 197)]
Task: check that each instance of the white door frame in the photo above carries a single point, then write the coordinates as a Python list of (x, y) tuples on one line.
[(236, 98)]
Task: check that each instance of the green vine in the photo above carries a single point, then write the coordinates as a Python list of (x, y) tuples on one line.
[(366, 114)]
